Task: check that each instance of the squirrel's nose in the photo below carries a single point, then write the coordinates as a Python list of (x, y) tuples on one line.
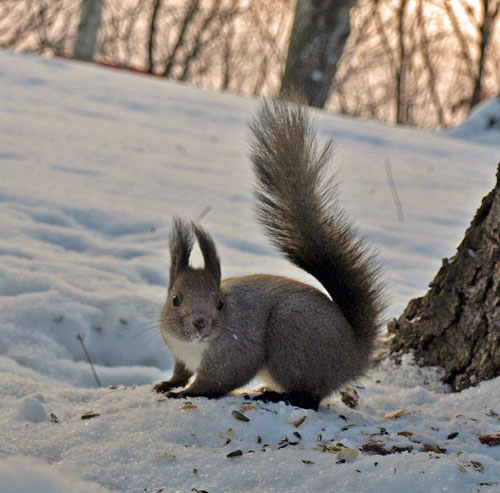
[(199, 324)]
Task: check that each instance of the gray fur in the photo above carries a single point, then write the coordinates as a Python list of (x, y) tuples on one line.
[(303, 341)]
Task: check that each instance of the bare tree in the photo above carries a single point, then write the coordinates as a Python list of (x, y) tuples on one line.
[(189, 16), (40, 26), (489, 13), (88, 29), (475, 30), (429, 64), (319, 33), (420, 63)]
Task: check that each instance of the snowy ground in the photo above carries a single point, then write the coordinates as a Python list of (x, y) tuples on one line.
[(93, 165)]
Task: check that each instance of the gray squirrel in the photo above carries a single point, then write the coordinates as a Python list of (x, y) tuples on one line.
[(303, 344)]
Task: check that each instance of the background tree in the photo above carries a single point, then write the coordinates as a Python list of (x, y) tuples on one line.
[(474, 27), (151, 37), (320, 30), (90, 20), (456, 325)]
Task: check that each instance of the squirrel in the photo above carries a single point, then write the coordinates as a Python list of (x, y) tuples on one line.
[(302, 343)]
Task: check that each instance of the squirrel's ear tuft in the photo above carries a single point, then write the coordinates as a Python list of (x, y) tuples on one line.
[(209, 251), (180, 243)]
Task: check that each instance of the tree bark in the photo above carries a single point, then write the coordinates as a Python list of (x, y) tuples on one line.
[(90, 20), (456, 325), (320, 30)]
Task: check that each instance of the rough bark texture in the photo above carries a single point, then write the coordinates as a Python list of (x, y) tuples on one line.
[(456, 325), (320, 30), (88, 29)]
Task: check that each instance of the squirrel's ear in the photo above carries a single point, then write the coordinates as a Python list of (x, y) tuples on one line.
[(209, 251), (180, 244)]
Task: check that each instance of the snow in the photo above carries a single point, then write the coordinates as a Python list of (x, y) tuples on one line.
[(482, 125), (22, 474), (94, 163), (31, 409)]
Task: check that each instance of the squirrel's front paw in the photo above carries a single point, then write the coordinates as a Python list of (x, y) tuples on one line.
[(163, 387), (176, 395)]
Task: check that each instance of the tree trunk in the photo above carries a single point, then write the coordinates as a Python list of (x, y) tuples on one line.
[(151, 37), (484, 32), (456, 325), (320, 30), (88, 29), (401, 96)]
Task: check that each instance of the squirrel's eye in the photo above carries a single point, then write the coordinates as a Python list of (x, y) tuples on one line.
[(220, 305), (176, 301)]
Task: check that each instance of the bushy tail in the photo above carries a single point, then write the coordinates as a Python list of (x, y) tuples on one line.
[(297, 204)]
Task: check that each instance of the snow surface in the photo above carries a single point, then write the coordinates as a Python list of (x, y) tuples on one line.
[(93, 165), (482, 125)]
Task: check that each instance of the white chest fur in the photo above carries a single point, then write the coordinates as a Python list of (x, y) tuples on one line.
[(189, 352)]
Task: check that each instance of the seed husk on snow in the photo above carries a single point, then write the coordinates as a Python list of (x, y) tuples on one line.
[(298, 422), (347, 427), (283, 442), (188, 405), (427, 447), (246, 407), (378, 448), (90, 414), (405, 433), (333, 449), (235, 453), (395, 414), (491, 440), (240, 417)]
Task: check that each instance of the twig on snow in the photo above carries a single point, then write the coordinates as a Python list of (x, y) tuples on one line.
[(87, 355)]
